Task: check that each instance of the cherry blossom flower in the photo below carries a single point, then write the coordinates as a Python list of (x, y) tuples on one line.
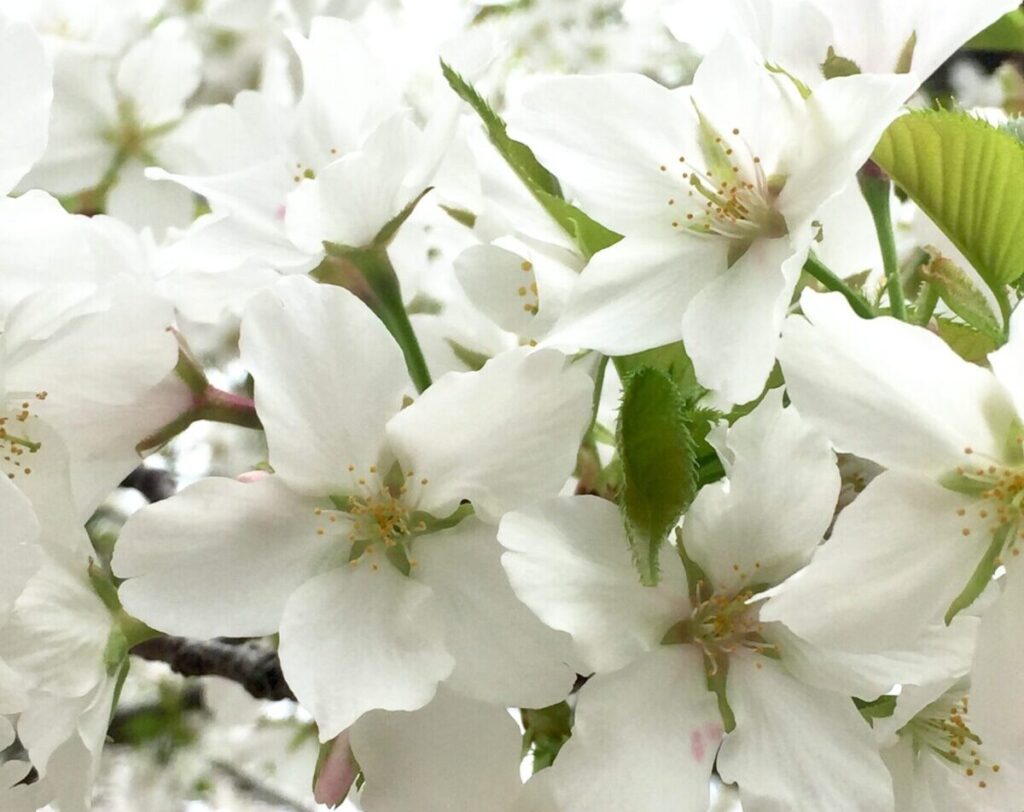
[(362, 549), (715, 189)]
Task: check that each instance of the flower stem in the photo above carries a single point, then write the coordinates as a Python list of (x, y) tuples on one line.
[(210, 404), (383, 295), (877, 190), (817, 269)]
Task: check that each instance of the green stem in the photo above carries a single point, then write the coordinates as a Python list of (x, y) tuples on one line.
[(927, 301), (877, 190), (602, 367), (212, 404), (384, 298), (817, 269), (1004, 306)]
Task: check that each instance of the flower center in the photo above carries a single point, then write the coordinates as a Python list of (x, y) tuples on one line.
[(729, 195), (722, 624), (944, 728), (999, 490), (16, 443)]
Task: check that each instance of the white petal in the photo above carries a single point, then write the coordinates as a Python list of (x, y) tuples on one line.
[(454, 755), (221, 558), (58, 632), (26, 92), (78, 150), (569, 561), (644, 738), (632, 296), (607, 138), (731, 328), (896, 560), (503, 653), (940, 653), (353, 198), (776, 755), (158, 75), (42, 246), (339, 108), (156, 204), (997, 680), (1008, 361), (873, 33), (507, 280), (355, 640), (20, 555), (843, 120), (501, 437), (79, 355), (781, 494), (734, 90), (328, 375), (888, 391)]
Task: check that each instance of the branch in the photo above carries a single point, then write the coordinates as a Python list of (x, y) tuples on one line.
[(253, 666)]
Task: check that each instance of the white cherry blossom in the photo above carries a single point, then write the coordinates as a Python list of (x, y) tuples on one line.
[(714, 188), (360, 549)]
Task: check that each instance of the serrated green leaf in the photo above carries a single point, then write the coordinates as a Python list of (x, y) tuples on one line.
[(671, 359), (589, 235), (965, 341), (967, 176), (1014, 127), (1005, 34), (983, 573), (659, 464), (957, 290), (836, 66)]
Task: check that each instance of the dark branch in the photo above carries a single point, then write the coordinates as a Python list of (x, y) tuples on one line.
[(252, 665)]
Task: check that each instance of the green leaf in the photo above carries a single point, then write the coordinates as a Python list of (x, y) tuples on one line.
[(836, 66), (1006, 34), (671, 359), (957, 290), (881, 708), (1015, 127), (966, 175), (546, 730), (659, 464), (965, 341), (390, 229), (589, 235), (983, 573)]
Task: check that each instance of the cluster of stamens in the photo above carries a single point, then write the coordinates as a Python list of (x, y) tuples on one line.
[(528, 290), (944, 728), (376, 517), (722, 624), (738, 205), (15, 439), (999, 490)]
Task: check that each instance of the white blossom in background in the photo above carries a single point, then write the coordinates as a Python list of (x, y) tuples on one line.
[(114, 115)]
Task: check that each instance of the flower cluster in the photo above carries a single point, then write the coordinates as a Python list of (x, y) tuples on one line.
[(557, 407)]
